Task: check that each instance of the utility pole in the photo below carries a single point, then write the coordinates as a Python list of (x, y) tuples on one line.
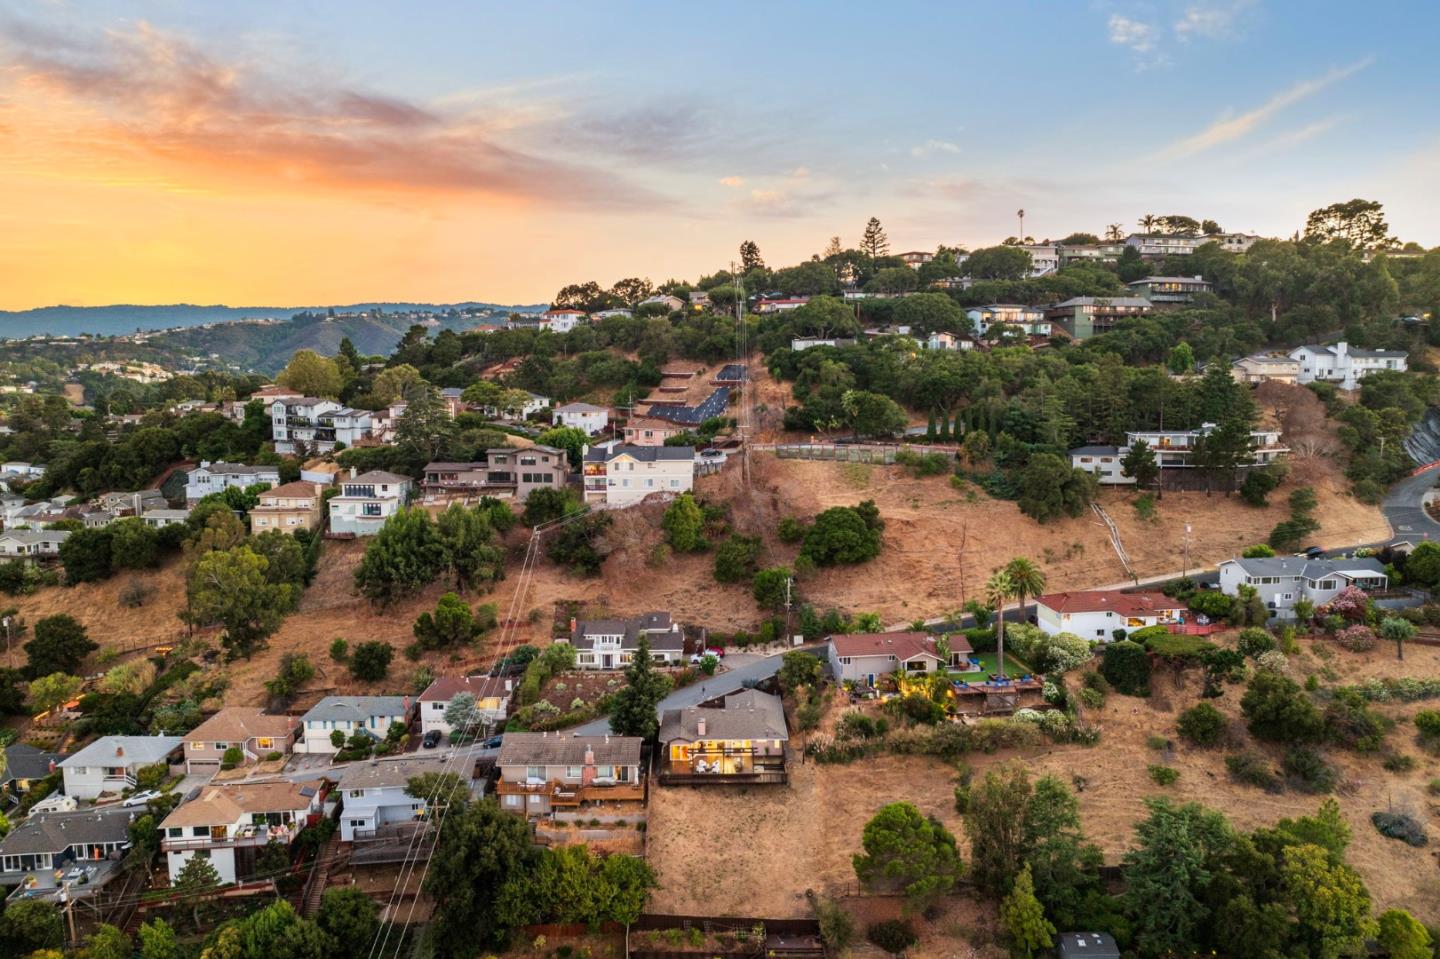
[(1185, 571), (1021, 214), (789, 629)]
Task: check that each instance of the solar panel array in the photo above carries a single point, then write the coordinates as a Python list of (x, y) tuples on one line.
[(731, 373), (712, 406)]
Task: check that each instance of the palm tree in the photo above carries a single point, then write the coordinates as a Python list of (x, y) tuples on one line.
[(1026, 578), (1148, 221), (999, 588), (1114, 232)]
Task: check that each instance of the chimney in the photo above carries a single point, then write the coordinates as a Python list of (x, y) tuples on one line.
[(507, 685), (52, 765), (405, 703), (589, 756), (573, 624), (119, 751), (700, 727)]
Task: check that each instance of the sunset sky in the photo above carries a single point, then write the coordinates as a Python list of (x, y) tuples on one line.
[(309, 153)]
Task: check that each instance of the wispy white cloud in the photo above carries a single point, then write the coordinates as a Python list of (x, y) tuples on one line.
[(732, 181), (1290, 139), (930, 147), (1231, 128), (1137, 35), (800, 173), (1211, 19)]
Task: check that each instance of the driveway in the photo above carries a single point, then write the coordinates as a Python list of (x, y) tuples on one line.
[(1402, 507)]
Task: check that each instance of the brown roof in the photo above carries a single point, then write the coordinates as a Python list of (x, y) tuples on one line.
[(747, 714), (227, 802), (297, 488), (900, 645), (1109, 600), (559, 749), (234, 724), (481, 687), (651, 423)]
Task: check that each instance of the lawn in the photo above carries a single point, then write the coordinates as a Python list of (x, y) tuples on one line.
[(989, 663)]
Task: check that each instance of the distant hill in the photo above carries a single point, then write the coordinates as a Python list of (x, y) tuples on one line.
[(121, 320)]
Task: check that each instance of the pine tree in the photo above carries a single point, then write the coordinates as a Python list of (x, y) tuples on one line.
[(633, 713), (750, 256), (874, 243), (930, 434), (1024, 918)]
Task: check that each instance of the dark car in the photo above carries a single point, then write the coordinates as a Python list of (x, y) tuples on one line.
[(492, 743), (1314, 552), (432, 739)]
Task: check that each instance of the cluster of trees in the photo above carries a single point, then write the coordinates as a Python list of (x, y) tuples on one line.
[(488, 879), (412, 550), (1193, 883)]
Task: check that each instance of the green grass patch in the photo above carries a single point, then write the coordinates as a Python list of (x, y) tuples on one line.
[(990, 663)]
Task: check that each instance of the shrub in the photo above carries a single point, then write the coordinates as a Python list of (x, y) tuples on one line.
[(233, 757), (1163, 775), (1399, 826), (1092, 698), (1427, 723), (736, 558), (371, 661), (1350, 722), (1254, 641), (1275, 661), (339, 649), (791, 530), (1253, 769), (1307, 771), (892, 935), (1278, 710), (1126, 666), (1398, 763), (844, 535), (1202, 725), (1357, 638)]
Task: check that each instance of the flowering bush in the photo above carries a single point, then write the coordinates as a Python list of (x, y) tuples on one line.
[(1350, 604), (1357, 639), (1027, 716), (1274, 661)]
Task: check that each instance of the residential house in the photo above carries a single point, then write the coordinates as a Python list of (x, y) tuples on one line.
[(611, 643), (110, 763), (1157, 246), (22, 470), (1084, 316), (522, 471), (492, 701), (247, 728), (543, 772), (303, 419), (1266, 367), (1173, 449), (1233, 242), (671, 303), (699, 299), (916, 258), (738, 738), (288, 507), (1091, 252), (646, 431), (1341, 364), (374, 795), (453, 479), (25, 765), (582, 416), (1096, 614), (136, 503), (611, 314), (1086, 945), (562, 320), (229, 823), (1044, 258), (454, 399), (865, 657), (1029, 320), (369, 715), (781, 304), (622, 475), (942, 340), (211, 477), (34, 545), (367, 501), (533, 403), (1281, 581), (72, 853), (1170, 290), (161, 518), (798, 343)]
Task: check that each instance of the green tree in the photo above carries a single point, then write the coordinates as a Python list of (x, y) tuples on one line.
[(294, 672), (312, 374), (133, 545), (425, 428), (350, 919), (750, 258), (571, 439), (51, 690), (1402, 936), (873, 242), (60, 645), (1026, 579), (1139, 464), (28, 925), (157, 940), (404, 557), (799, 670), (451, 624), (1126, 666), (86, 555), (999, 263), (1051, 488), (196, 881), (873, 414), (1168, 873), (144, 844), (230, 587), (1359, 223), (735, 559), (770, 587), (1182, 358), (370, 661), (461, 715), (633, 710), (1332, 906), (1202, 725), (108, 942), (904, 850), (1398, 631), (467, 535), (999, 589), (1278, 710), (1024, 918), (393, 383), (684, 525), (842, 535), (995, 823), (547, 503), (479, 848)]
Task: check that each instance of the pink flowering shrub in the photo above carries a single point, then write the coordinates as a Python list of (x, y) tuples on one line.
[(1350, 604), (1357, 639)]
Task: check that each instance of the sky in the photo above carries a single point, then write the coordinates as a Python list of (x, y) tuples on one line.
[(309, 153)]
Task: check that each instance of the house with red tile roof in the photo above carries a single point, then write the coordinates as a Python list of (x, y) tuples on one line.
[(1097, 613)]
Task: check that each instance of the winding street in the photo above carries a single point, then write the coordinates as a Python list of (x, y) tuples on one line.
[(1402, 508)]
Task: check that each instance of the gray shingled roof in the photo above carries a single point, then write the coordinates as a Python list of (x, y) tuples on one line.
[(1095, 451), (558, 749), (55, 831), (26, 762), (1309, 568), (355, 708), (748, 714), (378, 773), (645, 454), (1103, 301), (141, 750), (668, 639)]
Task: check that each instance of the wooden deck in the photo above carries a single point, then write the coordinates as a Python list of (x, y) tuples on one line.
[(570, 794)]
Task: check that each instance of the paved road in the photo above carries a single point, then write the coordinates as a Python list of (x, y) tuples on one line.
[(1403, 510), (718, 685)]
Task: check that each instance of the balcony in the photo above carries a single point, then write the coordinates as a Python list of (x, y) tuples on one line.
[(573, 794), (245, 836)]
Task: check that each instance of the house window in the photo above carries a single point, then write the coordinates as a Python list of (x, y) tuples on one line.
[(534, 772), (605, 772), (845, 660), (202, 831), (357, 824), (572, 772), (175, 832), (512, 800)]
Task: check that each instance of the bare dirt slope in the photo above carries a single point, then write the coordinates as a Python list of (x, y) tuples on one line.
[(710, 846)]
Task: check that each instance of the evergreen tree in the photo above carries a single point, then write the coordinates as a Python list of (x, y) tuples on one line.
[(633, 712), (1024, 918), (684, 525), (874, 243), (1139, 464)]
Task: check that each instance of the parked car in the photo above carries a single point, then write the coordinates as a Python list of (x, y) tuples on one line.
[(1314, 552), (493, 742), (141, 798), (431, 739), (715, 651)]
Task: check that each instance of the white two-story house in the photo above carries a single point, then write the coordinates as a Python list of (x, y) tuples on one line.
[(110, 763), (229, 823), (210, 478), (374, 794), (611, 643), (371, 715), (367, 501), (621, 474), (1344, 366), (582, 416), (1283, 580), (492, 701), (1029, 320)]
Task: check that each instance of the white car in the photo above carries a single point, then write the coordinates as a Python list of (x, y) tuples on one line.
[(141, 798)]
